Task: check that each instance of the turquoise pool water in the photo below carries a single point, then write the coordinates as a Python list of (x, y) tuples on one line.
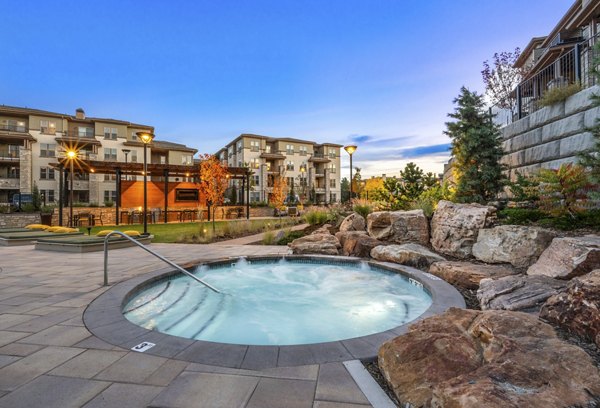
[(279, 303)]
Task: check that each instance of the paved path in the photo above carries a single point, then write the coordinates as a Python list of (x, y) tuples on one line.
[(257, 238), (49, 359)]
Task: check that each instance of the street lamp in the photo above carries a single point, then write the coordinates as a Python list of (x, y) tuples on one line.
[(126, 151), (350, 149), (146, 138), (71, 157)]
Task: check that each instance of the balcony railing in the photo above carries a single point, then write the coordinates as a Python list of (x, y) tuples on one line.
[(574, 66), (14, 128)]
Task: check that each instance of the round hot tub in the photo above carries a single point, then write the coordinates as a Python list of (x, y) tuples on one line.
[(279, 302)]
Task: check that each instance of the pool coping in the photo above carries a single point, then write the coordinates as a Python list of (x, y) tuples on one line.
[(104, 318)]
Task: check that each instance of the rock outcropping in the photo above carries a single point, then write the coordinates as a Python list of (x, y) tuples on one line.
[(406, 254), (577, 309), (518, 245), (319, 242), (356, 243), (492, 359), (353, 222), (399, 226), (567, 258), (467, 275), (454, 227)]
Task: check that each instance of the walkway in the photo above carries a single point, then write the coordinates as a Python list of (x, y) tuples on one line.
[(49, 359), (257, 238)]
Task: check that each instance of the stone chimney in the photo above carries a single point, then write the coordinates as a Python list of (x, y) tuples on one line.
[(80, 113)]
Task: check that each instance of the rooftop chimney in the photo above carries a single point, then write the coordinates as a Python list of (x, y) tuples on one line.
[(80, 113)]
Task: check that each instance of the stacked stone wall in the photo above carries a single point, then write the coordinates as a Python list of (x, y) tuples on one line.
[(550, 136), (18, 220)]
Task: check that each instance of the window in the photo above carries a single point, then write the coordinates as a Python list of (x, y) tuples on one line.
[(110, 177), (14, 173), (332, 169), (332, 183), (303, 150), (85, 131), (268, 149), (254, 145), (133, 156), (304, 167), (186, 159), (46, 173), (255, 163), (13, 124), (163, 159), (268, 166), (47, 127), (186, 194), (239, 163), (47, 196), (110, 196), (81, 176), (290, 181), (332, 198), (134, 137), (289, 149), (332, 153), (13, 151), (110, 154), (240, 146), (47, 150), (289, 165), (110, 133), (256, 180), (254, 196)]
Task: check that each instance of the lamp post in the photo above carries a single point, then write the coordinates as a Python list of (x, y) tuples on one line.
[(302, 183), (350, 149), (146, 138), (71, 156), (126, 151)]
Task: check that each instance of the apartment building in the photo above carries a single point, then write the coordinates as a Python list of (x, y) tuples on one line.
[(312, 168), (32, 141)]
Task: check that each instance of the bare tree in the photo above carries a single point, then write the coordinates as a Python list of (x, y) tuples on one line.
[(501, 79)]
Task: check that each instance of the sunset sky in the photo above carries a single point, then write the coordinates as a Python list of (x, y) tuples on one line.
[(378, 73)]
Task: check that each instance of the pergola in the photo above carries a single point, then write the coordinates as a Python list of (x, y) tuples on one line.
[(154, 169)]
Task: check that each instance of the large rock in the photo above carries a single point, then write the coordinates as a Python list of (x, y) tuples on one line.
[(492, 359), (325, 244), (356, 243), (578, 308), (399, 226), (406, 254), (566, 258), (353, 222), (454, 227), (518, 292), (518, 245), (467, 275)]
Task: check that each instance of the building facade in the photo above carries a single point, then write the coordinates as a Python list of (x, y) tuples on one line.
[(33, 141), (313, 169)]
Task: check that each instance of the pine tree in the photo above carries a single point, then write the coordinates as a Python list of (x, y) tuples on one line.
[(476, 148), (591, 158)]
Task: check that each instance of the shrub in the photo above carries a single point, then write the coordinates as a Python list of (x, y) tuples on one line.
[(561, 189), (524, 188), (362, 207), (315, 217), (556, 95), (289, 236), (108, 203), (429, 199), (268, 238), (520, 216)]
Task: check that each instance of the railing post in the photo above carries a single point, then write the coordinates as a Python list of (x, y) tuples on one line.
[(577, 63), (519, 102)]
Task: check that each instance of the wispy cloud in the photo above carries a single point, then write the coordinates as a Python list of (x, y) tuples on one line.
[(420, 151)]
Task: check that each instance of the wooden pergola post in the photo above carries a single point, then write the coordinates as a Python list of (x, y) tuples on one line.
[(166, 175), (118, 200)]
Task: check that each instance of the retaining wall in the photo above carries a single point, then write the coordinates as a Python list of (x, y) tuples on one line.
[(19, 220), (550, 136)]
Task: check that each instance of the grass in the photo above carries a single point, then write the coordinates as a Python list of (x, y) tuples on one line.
[(198, 232)]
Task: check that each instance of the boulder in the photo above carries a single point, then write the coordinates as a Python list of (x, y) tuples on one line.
[(517, 292), (454, 227), (399, 226), (492, 359), (353, 222), (406, 254), (325, 244), (323, 229), (518, 245), (356, 243), (566, 258), (577, 309), (467, 275)]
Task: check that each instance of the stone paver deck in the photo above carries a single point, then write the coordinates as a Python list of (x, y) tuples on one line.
[(49, 359)]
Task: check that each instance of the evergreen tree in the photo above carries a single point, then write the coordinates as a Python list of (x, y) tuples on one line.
[(476, 148), (345, 189)]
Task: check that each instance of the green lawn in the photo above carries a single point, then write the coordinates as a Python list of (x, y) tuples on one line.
[(179, 232)]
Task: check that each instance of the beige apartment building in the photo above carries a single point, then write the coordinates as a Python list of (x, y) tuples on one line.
[(312, 168), (31, 140)]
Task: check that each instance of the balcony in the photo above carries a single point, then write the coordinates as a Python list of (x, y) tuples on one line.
[(317, 175), (9, 157), (272, 156), (9, 183), (319, 158), (14, 128)]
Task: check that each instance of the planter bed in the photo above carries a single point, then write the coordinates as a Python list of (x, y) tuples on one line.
[(84, 243), (29, 237)]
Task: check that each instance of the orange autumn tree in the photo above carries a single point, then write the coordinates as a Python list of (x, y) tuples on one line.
[(214, 179), (278, 194)]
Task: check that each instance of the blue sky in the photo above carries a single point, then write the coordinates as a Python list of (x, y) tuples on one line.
[(379, 73)]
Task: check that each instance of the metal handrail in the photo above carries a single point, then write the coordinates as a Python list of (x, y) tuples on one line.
[(145, 248)]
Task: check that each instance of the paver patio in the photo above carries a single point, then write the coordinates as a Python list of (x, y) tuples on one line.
[(49, 359)]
